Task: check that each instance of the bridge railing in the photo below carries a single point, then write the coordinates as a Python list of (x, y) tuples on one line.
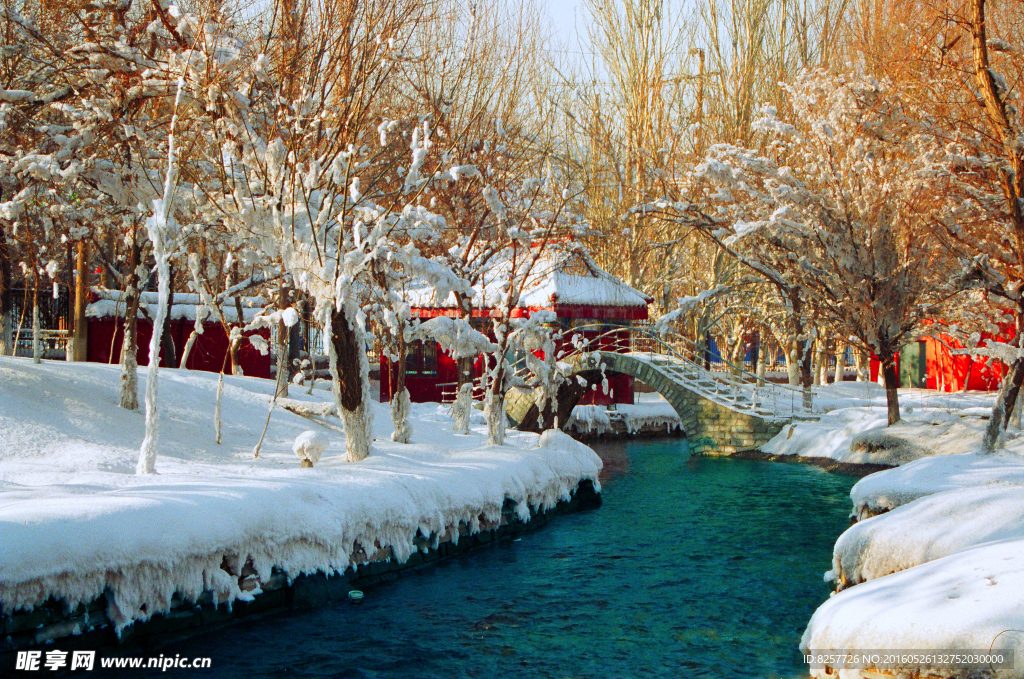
[(683, 360)]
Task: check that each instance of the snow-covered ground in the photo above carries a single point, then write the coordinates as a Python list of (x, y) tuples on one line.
[(852, 428), (76, 520), (936, 560), (942, 570), (853, 394), (970, 600)]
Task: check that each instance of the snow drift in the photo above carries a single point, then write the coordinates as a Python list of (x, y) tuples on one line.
[(77, 521)]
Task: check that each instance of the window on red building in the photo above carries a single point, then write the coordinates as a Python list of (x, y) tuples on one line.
[(421, 359)]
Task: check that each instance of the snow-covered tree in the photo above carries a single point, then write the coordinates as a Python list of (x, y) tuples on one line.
[(833, 214), (529, 217), (396, 269), (979, 176), (315, 177), (89, 105)]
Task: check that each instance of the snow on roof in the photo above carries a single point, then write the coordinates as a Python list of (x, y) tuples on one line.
[(565, 274), (111, 304)]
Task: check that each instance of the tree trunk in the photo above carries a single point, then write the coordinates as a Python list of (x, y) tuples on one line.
[(494, 407), (892, 398), (170, 353), (189, 343), (349, 374), (1016, 375), (840, 364), (106, 279), (283, 339), (737, 354), (79, 350), (827, 349), (794, 359), (806, 379), (817, 361), (236, 366), (800, 349), (400, 397), (129, 396), (1016, 412), (36, 344), (793, 363), (6, 340), (464, 366), (1004, 407), (967, 374), (147, 452), (296, 344), (463, 406), (761, 357)]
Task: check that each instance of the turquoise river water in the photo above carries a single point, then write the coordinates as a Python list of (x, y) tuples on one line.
[(694, 567)]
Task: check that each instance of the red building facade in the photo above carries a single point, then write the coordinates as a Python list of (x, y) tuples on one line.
[(567, 282), (932, 364), (106, 332)]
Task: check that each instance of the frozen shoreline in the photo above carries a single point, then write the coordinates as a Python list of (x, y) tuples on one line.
[(936, 558), (78, 523)]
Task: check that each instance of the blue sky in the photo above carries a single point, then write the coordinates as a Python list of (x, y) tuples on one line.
[(564, 14)]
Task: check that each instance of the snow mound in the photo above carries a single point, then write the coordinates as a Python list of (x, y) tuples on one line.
[(565, 445), (588, 419), (973, 599), (309, 446), (860, 436), (929, 528), (656, 414), (870, 394), (886, 490), (650, 413)]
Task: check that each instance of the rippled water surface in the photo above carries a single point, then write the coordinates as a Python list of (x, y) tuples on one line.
[(694, 567)]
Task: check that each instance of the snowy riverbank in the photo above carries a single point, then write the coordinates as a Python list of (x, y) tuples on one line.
[(942, 570), (77, 521), (852, 427), (936, 559)]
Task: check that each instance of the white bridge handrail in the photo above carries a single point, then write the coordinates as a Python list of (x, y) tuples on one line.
[(679, 359)]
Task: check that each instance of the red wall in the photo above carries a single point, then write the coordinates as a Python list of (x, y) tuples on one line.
[(422, 388), (427, 389), (207, 353), (946, 372)]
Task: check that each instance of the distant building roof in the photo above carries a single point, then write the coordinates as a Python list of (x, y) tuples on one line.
[(111, 304), (564, 275)]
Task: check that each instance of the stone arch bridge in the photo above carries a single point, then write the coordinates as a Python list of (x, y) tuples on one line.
[(721, 412)]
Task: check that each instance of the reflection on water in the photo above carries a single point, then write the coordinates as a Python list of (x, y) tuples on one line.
[(692, 568)]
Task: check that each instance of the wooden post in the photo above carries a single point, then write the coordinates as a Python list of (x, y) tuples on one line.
[(6, 336), (281, 350), (79, 350)]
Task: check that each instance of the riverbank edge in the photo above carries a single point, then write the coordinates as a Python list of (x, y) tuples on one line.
[(50, 624), (860, 469)]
